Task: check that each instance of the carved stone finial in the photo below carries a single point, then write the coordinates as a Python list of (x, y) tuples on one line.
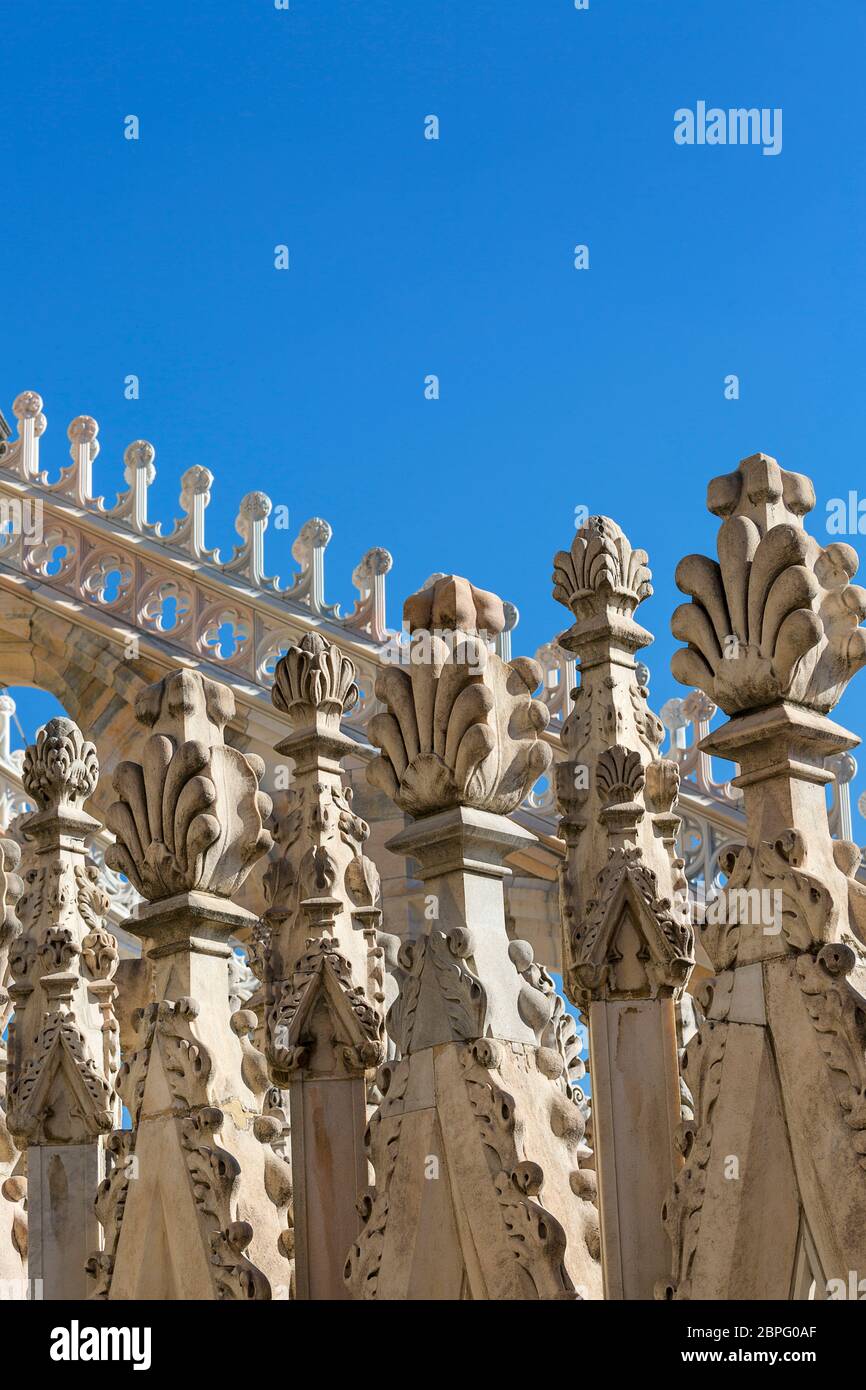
[(773, 638), (314, 534), (626, 936), (190, 817), (27, 405), (138, 458), (313, 679), (323, 965), (83, 430), (60, 770), (777, 617), (450, 603), (197, 481), (372, 562), (369, 614), (601, 570), (188, 534), (63, 1036), (462, 728), (189, 824), (761, 490)]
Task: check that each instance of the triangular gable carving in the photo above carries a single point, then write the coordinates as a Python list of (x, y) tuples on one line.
[(176, 1156), (61, 1097), (627, 894), (323, 975)]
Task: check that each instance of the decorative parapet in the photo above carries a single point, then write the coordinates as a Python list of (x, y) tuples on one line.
[(172, 585)]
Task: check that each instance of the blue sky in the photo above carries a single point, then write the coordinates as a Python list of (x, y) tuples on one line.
[(408, 256)]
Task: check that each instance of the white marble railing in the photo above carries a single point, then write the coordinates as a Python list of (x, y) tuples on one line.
[(168, 582), (169, 586)]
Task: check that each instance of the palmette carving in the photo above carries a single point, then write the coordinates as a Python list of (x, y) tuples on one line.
[(776, 618), (190, 817), (601, 561), (60, 770), (314, 678), (442, 744), (461, 726)]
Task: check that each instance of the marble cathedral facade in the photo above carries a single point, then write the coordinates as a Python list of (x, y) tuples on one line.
[(292, 901)]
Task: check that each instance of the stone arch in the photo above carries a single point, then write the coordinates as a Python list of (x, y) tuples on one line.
[(81, 668)]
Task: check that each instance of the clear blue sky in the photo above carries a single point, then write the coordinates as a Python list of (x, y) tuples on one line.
[(455, 257)]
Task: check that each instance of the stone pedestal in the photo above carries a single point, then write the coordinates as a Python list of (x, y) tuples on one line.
[(194, 1206), (477, 1145), (63, 1051), (771, 1202), (627, 942)]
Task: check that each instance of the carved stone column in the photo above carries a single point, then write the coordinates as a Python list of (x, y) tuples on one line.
[(193, 1208), (478, 1142), (627, 943), (772, 1199), (13, 1183), (325, 967), (63, 1052)]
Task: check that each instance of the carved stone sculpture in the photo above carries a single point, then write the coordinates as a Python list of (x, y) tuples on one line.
[(13, 1182), (477, 1144), (63, 1049), (195, 1204), (325, 1023), (772, 1199), (627, 942)]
